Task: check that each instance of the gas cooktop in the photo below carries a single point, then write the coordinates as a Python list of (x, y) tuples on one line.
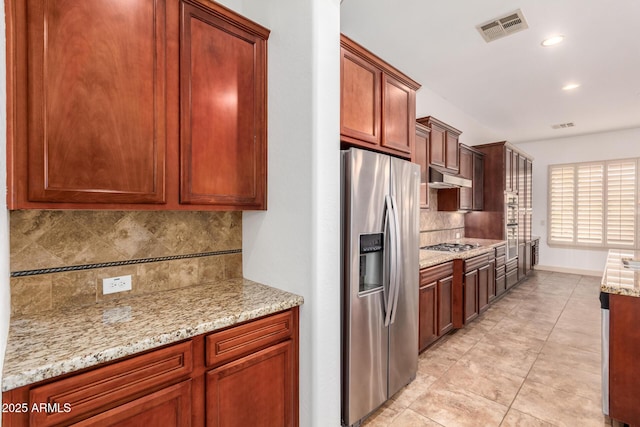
[(451, 247)]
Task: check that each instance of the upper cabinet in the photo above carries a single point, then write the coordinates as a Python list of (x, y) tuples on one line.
[(444, 144), (471, 163), (223, 111), (135, 105), (377, 103), (421, 157)]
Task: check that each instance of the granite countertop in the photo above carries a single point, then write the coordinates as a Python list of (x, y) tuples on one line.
[(618, 278), (431, 258), (57, 342)]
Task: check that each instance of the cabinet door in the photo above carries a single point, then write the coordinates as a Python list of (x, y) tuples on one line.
[(437, 151), (360, 98), (428, 328), (170, 407), (483, 287), (398, 116), (492, 280), (223, 112), (470, 296), (508, 170), (252, 391), (465, 195), (528, 202), (445, 315), (478, 182), (94, 102), (521, 260), (451, 147), (421, 157)]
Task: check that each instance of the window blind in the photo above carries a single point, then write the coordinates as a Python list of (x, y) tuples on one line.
[(594, 204)]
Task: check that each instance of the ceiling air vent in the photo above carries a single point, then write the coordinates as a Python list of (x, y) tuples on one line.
[(503, 26), (563, 125)]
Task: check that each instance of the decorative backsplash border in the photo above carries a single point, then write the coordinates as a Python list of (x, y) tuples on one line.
[(36, 272)]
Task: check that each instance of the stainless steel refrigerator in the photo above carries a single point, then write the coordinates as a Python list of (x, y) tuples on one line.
[(380, 268)]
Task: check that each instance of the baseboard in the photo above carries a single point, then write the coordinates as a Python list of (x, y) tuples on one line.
[(581, 272)]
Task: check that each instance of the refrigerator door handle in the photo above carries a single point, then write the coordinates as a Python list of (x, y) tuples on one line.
[(393, 238), (398, 259), (386, 288)]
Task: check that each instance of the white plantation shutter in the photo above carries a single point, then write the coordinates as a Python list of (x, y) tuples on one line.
[(621, 202), (562, 203), (594, 204), (590, 204)]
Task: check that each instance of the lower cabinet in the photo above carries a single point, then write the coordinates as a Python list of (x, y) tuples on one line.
[(474, 286), (470, 296), (169, 407), (535, 252), (435, 316), (243, 375), (623, 349), (261, 382), (511, 271)]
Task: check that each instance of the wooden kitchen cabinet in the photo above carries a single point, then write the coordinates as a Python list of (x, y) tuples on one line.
[(535, 252), (624, 345), (435, 311), (421, 157), (169, 407), (140, 119), (377, 103), (444, 144), (223, 111), (428, 318), (465, 195), (500, 271), (243, 375), (470, 296), (255, 390), (472, 287), (506, 170), (465, 198)]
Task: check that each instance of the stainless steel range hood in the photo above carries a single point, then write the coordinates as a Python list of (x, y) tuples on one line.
[(440, 178)]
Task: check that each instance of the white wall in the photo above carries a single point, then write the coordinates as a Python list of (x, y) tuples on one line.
[(4, 217), (600, 146), (295, 244), (429, 103)]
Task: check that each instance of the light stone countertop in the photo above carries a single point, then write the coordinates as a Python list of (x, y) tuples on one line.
[(57, 342), (618, 278), (431, 258)]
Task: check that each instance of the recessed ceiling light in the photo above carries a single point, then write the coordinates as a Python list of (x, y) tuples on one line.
[(571, 86), (552, 40)]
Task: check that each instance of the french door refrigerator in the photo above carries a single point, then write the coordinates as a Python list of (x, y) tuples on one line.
[(380, 268)]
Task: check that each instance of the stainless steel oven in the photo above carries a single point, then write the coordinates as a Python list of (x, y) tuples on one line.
[(511, 224)]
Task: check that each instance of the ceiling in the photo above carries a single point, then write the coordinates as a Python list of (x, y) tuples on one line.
[(513, 85)]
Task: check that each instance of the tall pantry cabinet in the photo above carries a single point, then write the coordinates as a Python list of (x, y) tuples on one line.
[(508, 170), (135, 105)]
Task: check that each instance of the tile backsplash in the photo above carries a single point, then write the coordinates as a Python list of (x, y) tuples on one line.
[(202, 247), (437, 227)]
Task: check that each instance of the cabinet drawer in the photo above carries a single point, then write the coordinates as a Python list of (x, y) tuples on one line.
[(501, 251), (241, 340), (476, 262), (431, 274), (501, 261), (512, 265), (110, 386), (501, 271)]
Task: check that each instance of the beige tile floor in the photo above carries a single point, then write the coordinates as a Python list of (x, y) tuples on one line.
[(532, 359)]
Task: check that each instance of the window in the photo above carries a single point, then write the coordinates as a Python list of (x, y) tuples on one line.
[(594, 204)]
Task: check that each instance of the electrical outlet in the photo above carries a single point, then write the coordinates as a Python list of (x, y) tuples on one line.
[(457, 235), (112, 285)]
